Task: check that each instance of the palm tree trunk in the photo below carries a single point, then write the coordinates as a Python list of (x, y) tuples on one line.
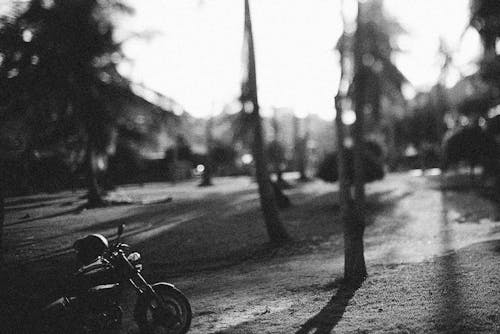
[(355, 268), (303, 151), (94, 194), (275, 228), (351, 209), (2, 209), (358, 147), (300, 147), (206, 179), (355, 261)]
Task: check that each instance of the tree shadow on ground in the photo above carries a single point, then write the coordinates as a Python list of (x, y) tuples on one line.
[(381, 202), (449, 309), (461, 183), (317, 220), (482, 200), (189, 246), (26, 200), (79, 208), (75, 210), (330, 315), (36, 206), (321, 323)]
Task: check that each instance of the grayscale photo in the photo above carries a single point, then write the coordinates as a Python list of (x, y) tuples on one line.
[(249, 166)]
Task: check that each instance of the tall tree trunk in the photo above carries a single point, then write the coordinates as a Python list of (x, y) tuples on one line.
[(358, 142), (355, 263), (352, 209), (489, 44), (277, 161), (355, 267), (2, 208), (94, 194), (304, 142), (300, 146), (206, 178), (359, 95), (275, 228)]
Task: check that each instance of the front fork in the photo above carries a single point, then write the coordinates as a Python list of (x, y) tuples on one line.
[(145, 293)]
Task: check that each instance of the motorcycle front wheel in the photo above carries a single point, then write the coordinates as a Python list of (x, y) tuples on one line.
[(170, 315)]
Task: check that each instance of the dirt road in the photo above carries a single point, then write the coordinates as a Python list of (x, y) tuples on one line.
[(211, 243)]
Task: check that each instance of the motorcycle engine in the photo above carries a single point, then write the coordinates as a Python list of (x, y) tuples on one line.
[(101, 320)]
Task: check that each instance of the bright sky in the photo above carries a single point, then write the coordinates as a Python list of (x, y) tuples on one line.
[(426, 22), (196, 56)]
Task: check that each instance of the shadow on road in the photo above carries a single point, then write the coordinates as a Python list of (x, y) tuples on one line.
[(76, 210), (26, 200), (326, 320), (449, 307), (215, 232)]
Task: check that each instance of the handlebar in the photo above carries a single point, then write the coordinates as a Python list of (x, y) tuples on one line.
[(119, 246)]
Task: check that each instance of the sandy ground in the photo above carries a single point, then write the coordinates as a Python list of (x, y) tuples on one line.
[(431, 247)]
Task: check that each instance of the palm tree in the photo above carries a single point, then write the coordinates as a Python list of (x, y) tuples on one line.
[(64, 58), (485, 17), (249, 98), (354, 262), (373, 76)]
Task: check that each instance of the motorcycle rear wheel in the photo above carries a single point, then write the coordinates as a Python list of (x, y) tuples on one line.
[(175, 318)]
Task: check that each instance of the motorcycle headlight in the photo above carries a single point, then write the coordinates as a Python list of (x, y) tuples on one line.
[(134, 257)]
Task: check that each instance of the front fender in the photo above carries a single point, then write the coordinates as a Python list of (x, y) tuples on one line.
[(142, 300), (181, 320)]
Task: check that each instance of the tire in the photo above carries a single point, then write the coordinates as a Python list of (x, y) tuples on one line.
[(152, 320)]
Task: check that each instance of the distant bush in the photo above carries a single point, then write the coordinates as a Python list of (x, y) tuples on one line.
[(223, 155), (372, 159), (470, 145), (493, 126)]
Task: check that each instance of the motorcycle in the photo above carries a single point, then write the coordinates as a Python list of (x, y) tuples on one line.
[(93, 304)]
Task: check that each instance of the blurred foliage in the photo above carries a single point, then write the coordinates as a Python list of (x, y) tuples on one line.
[(473, 145), (276, 153), (485, 18), (376, 90), (59, 79), (378, 75), (58, 61), (493, 126), (223, 154), (475, 105), (372, 160)]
